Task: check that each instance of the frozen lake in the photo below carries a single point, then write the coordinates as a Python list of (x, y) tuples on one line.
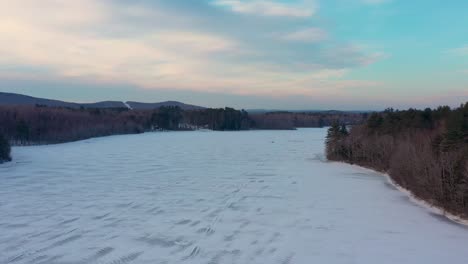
[(210, 197)]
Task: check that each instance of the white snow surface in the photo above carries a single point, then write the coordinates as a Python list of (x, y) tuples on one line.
[(210, 197), (127, 105)]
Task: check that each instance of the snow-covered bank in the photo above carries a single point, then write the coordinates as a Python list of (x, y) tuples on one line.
[(430, 207), (213, 197), (415, 199)]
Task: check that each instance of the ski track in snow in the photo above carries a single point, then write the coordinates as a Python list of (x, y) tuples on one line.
[(127, 105), (213, 198)]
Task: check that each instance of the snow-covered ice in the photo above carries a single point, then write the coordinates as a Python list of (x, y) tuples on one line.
[(210, 197)]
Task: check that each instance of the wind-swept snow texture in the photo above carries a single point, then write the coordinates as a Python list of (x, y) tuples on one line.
[(210, 197)]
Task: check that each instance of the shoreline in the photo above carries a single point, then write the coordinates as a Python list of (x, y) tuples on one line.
[(12, 144), (427, 205), (415, 199)]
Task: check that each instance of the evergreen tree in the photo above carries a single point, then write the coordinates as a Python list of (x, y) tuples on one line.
[(167, 117), (333, 132), (375, 121), (22, 132), (343, 130), (4, 149), (335, 148)]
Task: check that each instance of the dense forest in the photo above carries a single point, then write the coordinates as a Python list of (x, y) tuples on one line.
[(26, 125), (39, 124), (174, 118), (424, 151), (291, 120)]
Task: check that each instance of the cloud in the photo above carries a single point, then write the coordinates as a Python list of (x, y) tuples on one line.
[(308, 35), (268, 8), (462, 51), (154, 46), (28, 40), (375, 2)]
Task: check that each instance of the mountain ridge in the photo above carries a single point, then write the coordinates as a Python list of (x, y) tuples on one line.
[(20, 99)]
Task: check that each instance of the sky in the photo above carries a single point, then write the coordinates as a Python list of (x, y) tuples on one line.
[(269, 54)]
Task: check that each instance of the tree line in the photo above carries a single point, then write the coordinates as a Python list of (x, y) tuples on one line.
[(291, 120), (174, 118), (425, 151), (26, 125)]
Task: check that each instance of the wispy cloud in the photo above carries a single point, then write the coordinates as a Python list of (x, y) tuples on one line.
[(268, 7), (308, 35), (375, 2), (152, 48), (462, 51)]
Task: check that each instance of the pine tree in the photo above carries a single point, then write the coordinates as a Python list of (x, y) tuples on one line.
[(334, 142), (4, 149), (375, 121), (333, 132), (343, 130), (22, 132)]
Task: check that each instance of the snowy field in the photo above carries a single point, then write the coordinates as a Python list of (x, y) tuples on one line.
[(210, 197)]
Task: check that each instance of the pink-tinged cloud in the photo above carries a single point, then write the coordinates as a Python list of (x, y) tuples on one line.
[(68, 41), (308, 35), (269, 8)]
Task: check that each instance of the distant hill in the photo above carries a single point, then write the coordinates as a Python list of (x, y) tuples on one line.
[(138, 105), (19, 99), (264, 111)]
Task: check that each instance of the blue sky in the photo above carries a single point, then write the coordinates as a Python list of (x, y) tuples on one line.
[(296, 54)]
